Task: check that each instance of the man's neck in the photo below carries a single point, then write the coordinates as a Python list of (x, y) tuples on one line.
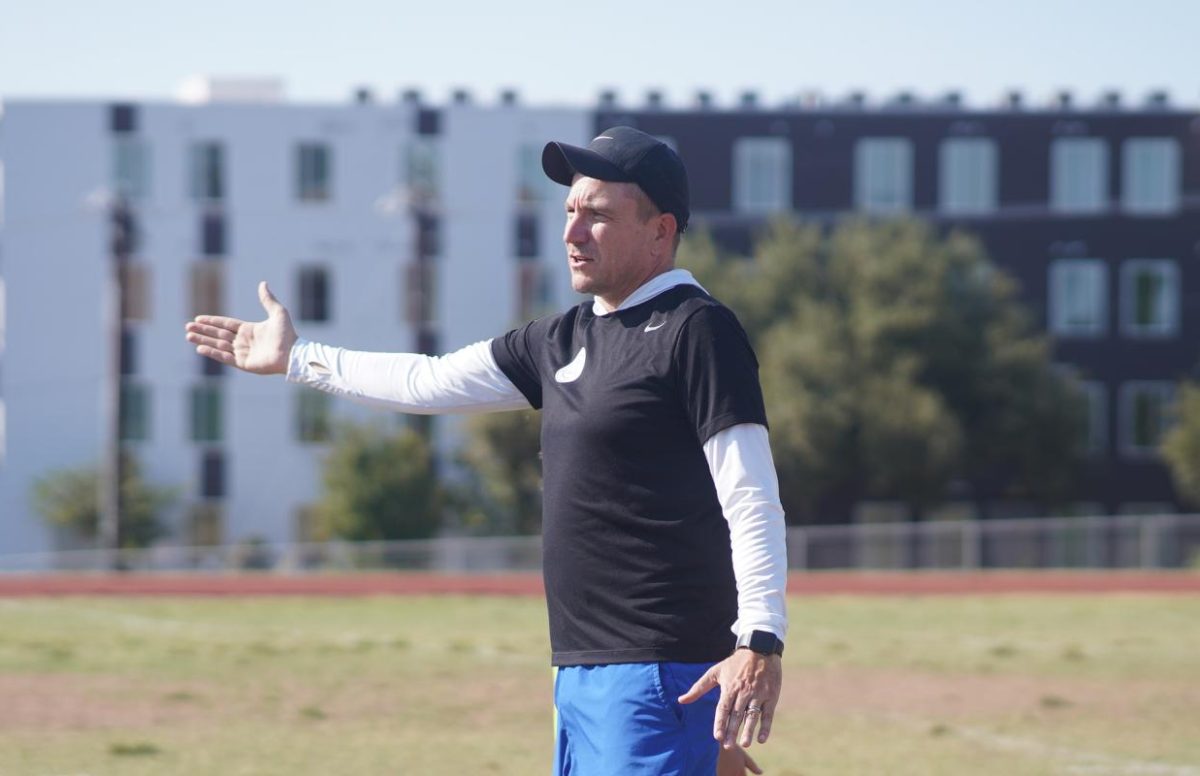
[(655, 285), (611, 303)]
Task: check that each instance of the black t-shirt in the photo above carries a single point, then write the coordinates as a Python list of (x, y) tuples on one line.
[(636, 550)]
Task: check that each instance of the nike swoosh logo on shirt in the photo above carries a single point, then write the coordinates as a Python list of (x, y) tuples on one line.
[(571, 372), (655, 327)]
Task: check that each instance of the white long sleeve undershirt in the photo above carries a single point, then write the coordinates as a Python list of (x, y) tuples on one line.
[(469, 381)]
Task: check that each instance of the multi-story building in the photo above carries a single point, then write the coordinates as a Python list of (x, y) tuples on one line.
[(1093, 209), (382, 227), (407, 226)]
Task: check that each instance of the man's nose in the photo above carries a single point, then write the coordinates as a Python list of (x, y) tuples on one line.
[(574, 231)]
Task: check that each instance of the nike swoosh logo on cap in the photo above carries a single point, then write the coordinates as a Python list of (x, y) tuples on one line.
[(602, 137), (571, 372)]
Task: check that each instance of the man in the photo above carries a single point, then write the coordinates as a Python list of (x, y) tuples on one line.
[(663, 535)]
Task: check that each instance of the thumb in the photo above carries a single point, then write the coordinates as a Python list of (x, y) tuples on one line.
[(702, 685), (269, 302)]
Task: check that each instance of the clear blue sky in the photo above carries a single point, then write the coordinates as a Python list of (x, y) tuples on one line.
[(566, 52)]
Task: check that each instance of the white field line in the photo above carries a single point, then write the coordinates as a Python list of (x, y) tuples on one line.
[(1075, 761), (231, 634)]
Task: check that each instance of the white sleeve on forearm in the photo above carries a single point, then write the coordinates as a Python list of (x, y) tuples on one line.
[(465, 381), (744, 472)]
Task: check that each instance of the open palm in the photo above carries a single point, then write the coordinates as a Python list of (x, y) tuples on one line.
[(260, 347)]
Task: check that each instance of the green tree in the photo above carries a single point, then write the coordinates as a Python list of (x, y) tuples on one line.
[(69, 498), (895, 362), (379, 486), (503, 452), (1181, 445)]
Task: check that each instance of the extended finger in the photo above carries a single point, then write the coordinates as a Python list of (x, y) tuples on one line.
[(706, 682), (224, 357), (764, 725), (211, 342), (737, 718), (268, 300), (211, 331), (233, 324), (751, 766), (754, 711)]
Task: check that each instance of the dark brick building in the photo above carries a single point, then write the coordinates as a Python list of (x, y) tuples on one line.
[(1094, 210)]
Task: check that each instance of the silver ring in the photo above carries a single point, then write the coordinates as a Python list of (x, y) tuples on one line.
[(754, 710)]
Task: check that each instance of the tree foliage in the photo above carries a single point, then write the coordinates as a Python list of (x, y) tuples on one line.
[(379, 486), (70, 498), (503, 452), (895, 363), (1181, 445)]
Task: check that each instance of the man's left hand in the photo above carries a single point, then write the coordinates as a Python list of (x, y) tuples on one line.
[(750, 685)]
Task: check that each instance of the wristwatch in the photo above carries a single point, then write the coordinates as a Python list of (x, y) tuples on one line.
[(762, 642)]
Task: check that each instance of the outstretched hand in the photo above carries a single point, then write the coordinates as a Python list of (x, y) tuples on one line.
[(261, 347)]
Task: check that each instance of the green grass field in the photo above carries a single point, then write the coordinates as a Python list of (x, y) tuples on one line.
[(922, 686)]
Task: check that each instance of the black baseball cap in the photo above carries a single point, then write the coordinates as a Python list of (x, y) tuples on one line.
[(625, 155)]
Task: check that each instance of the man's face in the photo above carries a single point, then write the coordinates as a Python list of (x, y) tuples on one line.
[(610, 246)]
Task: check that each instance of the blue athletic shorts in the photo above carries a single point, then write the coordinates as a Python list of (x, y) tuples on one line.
[(624, 719)]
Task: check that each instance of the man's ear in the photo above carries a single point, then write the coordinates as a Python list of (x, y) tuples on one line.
[(666, 228)]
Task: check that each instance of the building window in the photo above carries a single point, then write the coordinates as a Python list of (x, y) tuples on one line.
[(206, 413), (122, 118), (533, 289), (967, 176), (212, 234), (527, 236), (1145, 415), (134, 417), (131, 167), (762, 175), (312, 416), (1078, 299), (124, 233), (1150, 175), (207, 182), (212, 474), (1078, 175), (420, 172), (1149, 298), (135, 291), (427, 343), (428, 235), (210, 367), (419, 278), (883, 175), (129, 359), (206, 525), (207, 291), (1096, 401), (314, 295), (314, 170), (532, 183)]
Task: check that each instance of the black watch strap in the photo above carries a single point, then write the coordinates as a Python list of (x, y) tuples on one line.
[(762, 642)]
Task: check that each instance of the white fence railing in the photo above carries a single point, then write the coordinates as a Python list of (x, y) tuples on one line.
[(1141, 541)]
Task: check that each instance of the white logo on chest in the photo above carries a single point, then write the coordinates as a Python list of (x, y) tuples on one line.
[(571, 372)]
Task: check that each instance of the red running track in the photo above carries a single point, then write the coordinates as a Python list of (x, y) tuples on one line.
[(404, 583)]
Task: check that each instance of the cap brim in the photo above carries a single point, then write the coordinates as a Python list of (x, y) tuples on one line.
[(561, 162)]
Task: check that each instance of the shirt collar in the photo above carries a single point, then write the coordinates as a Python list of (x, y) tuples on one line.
[(650, 289)]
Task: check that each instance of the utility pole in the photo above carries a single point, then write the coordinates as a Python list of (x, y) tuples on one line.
[(121, 243)]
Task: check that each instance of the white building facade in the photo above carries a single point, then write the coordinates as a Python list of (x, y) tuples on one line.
[(394, 227)]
